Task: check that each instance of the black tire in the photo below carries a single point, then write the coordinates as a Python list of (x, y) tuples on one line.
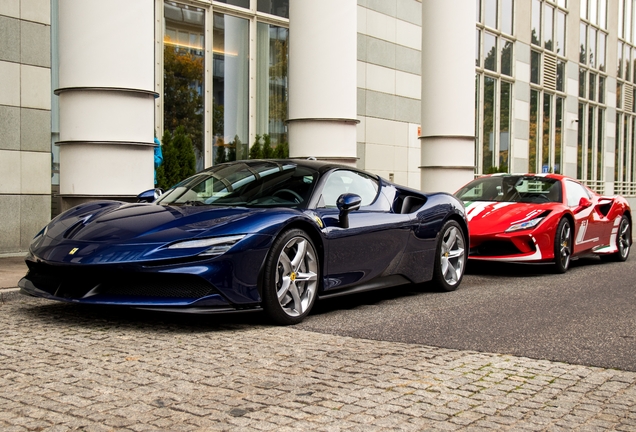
[(563, 246), (450, 257), (623, 241), (301, 278)]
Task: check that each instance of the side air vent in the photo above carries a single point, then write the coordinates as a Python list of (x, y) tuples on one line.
[(628, 91)]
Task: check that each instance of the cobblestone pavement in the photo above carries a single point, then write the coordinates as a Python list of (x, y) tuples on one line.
[(63, 367)]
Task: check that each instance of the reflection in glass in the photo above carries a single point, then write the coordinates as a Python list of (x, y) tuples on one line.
[(583, 41), (558, 128), (590, 140), (593, 11), (591, 46), (546, 138), (476, 120), (271, 84), (560, 78), (592, 87), (582, 73), (183, 82), (602, 13), (599, 144), (617, 147), (628, 60), (580, 143), (619, 95), (628, 20), (506, 58), (490, 52), (630, 154), (240, 3), (600, 58), (583, 9), (536, 22), (535, 65), (548, 27), (488, 124), (477, 40), (533, 138), (274, 7), (625, 149), (506, 16), (620, 20), (478, 5), (560, 33), (230, 85), (601, 89), (504, 125), (619, 62), (490, 13)]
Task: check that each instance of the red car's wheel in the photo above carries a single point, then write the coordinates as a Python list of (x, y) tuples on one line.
[(563, 246), (623, 241)]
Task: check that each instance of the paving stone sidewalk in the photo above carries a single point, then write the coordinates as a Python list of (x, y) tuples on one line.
[(63, 367)]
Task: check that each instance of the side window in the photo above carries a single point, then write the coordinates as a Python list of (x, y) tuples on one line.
[(343, 181), (574, 193)]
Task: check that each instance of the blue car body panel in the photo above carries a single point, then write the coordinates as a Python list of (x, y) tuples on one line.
[(109, 252)]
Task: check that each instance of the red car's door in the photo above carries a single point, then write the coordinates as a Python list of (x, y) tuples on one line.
[(587, 230)]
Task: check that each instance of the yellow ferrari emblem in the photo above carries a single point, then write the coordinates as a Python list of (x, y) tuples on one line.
[(318, 221), (72, 252), (292, 276)]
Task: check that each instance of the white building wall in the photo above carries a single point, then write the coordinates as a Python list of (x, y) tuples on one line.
[(389, 88)]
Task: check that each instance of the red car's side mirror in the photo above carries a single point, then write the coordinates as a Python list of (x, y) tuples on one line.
[(583, 204)]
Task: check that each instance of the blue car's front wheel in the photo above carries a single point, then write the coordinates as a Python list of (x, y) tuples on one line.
[(290, 281)]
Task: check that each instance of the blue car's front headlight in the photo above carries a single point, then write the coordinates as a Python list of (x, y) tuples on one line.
[(216, 245)]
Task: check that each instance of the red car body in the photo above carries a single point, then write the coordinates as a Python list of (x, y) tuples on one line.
[(521, 222)]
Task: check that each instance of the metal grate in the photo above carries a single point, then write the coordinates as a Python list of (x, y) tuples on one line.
[(628, 97), (549, 70)]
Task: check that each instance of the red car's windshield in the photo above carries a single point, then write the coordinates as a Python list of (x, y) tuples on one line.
[(512, 188)]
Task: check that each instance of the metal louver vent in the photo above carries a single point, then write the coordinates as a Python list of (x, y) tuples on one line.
[(549, 70), (628, 92)]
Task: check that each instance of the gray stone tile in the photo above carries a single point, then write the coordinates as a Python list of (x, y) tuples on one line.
[(35, 127), (522, 52), (35, 44), (522, 91), (362, 47), (361, 153), (522, 128), (408, 110), (387, 7), (408, 60), (361, 101), (409, 10), (9, 128), (10, 226), (9, 39), (519, 165), (380, 52), (380, 105)]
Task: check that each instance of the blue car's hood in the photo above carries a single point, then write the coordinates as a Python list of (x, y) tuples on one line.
[(116, 232)]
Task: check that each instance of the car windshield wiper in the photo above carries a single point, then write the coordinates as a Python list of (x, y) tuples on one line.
[(193, 203)]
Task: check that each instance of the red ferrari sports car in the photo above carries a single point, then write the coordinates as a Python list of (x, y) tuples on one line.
[(543, 218)]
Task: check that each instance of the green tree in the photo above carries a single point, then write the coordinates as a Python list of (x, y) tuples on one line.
[(178, 158), (268, 152), (256, 151)]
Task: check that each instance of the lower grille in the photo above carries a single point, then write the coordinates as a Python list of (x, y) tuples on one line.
[(495, 248), (76, 283)]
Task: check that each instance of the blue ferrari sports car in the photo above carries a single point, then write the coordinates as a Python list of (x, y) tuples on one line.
[(258, 234)]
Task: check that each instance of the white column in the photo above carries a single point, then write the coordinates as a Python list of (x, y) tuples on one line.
[(106, 98), (322, 79), (448, 94)]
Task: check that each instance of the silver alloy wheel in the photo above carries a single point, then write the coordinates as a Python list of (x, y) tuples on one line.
[(296, 276), (453, 259), (565, 246), (624, 237)]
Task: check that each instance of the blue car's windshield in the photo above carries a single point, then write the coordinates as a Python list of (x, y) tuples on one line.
[(512, 188), (245, 184)]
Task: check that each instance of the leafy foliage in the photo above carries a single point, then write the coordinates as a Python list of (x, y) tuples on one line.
[(178, 158), (266, 151)]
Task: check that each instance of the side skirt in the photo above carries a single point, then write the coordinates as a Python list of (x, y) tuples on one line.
[(375, 284)]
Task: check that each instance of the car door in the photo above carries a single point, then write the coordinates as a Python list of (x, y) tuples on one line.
[(586, 231), (375, 238)]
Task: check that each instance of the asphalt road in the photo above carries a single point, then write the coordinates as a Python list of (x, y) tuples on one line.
[(586, 316)]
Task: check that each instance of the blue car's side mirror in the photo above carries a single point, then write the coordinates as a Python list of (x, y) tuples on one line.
[(149, 196), (346, 203)]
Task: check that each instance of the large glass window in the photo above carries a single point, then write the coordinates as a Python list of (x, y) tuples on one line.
[(494, 60), (271, 84), (222, 91), (230, 88), (183, 80)]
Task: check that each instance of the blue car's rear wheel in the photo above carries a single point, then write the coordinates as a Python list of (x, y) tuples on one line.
[(450, 257), (291, 276)]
